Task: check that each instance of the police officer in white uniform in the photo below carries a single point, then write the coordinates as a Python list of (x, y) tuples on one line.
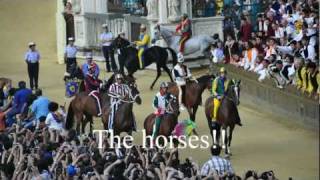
[(106, 39), (70, 54), (32, 58), (181, 73)]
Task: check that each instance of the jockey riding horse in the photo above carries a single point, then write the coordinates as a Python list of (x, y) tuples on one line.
[(92, 86), (143, 44), (184, 29)]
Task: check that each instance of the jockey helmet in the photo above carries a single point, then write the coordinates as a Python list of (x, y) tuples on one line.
[(119, 76), (222, 70), (143, 26), (180, 58), (164, 85), (184, 15), (104, 25)]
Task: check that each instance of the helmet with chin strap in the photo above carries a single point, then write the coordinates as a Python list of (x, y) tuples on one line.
[(164, 85)]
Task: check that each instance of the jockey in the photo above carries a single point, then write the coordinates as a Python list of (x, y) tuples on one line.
[(181, 73), (184, 29), (143, 43), (117, 91), (90, 62), (92, 85), (219, 88), (160, 103)]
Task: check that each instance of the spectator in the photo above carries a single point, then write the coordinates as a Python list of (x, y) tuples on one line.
[(245, 30), (55, 119), (39, 107), (217, 52), (20, 98), (217, 164)]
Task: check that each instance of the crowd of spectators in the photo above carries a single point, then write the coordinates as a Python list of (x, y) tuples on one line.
[(36, 145), (281, 44)]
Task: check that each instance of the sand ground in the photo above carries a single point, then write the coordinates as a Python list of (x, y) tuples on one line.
[(264, 143)]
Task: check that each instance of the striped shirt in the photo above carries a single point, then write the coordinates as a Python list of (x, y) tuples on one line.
[(220, 165), (32, 56), (116, 89)]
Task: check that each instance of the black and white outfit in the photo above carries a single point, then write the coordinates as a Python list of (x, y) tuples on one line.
[(32, 59), (70, 55), (117, 92), (106, 39)]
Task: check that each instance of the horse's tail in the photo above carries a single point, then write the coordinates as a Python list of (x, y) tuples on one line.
[(70, 117), (174, 56)]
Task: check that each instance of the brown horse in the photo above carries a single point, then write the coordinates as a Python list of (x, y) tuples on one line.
[(227, 117), (124, 118), (193, 93), (83, 107), (168, 122)]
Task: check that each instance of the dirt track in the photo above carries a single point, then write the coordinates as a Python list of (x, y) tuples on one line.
[(264, 143)]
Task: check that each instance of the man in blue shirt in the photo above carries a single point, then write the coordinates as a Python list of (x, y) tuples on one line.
[(39, 107), (32, 58), (19, 99)]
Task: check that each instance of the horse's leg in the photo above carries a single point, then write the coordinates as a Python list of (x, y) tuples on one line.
[(230, 138), (158, 75), (223, 136), (165, 68)]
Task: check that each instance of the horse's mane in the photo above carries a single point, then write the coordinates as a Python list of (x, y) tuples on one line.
[(205, 78)]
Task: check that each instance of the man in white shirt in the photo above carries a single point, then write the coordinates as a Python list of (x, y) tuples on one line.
[(55, 119), (70, 54), (106, 39), (181, 73), (307, 51)]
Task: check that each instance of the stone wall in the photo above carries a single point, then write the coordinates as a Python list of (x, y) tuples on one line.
[(288, 103)]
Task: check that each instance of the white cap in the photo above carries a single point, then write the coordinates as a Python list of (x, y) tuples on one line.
[(70, 39), (89, 56), (180, 58), (31, 44), (143, 26), (104, 25)]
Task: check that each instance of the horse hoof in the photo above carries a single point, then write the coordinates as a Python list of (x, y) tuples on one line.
[(151, 88), (227, 156)]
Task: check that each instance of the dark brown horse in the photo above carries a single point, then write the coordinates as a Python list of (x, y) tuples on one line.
[(168, 121), (227, 117), (193, 93), (124, 118)]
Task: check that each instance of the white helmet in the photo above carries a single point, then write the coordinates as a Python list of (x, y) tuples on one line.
[(143, 26), (70, 39), (180, 58)]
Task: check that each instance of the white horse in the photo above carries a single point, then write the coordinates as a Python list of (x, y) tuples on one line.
[(196, 44)]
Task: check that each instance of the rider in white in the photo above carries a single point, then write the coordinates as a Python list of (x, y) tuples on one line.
[(117, 91), (181, 73)]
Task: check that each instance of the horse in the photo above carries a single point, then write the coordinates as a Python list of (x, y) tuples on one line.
[(128, 57), (194, 90), (83, 107), (124, 118), (196, 44), (228, 115), (168, 121)]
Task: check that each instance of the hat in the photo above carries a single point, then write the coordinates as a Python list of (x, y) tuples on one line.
[(164, 85), (143, 26), (222, 70), (180, 58), (70, 39), (104, 25), (71, 170), (119, 76), (31, 44)]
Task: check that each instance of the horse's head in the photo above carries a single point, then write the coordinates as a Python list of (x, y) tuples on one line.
[(119, 42), (134, 92), (206, 81), (162, 32), (234, 91), (173, 106)]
